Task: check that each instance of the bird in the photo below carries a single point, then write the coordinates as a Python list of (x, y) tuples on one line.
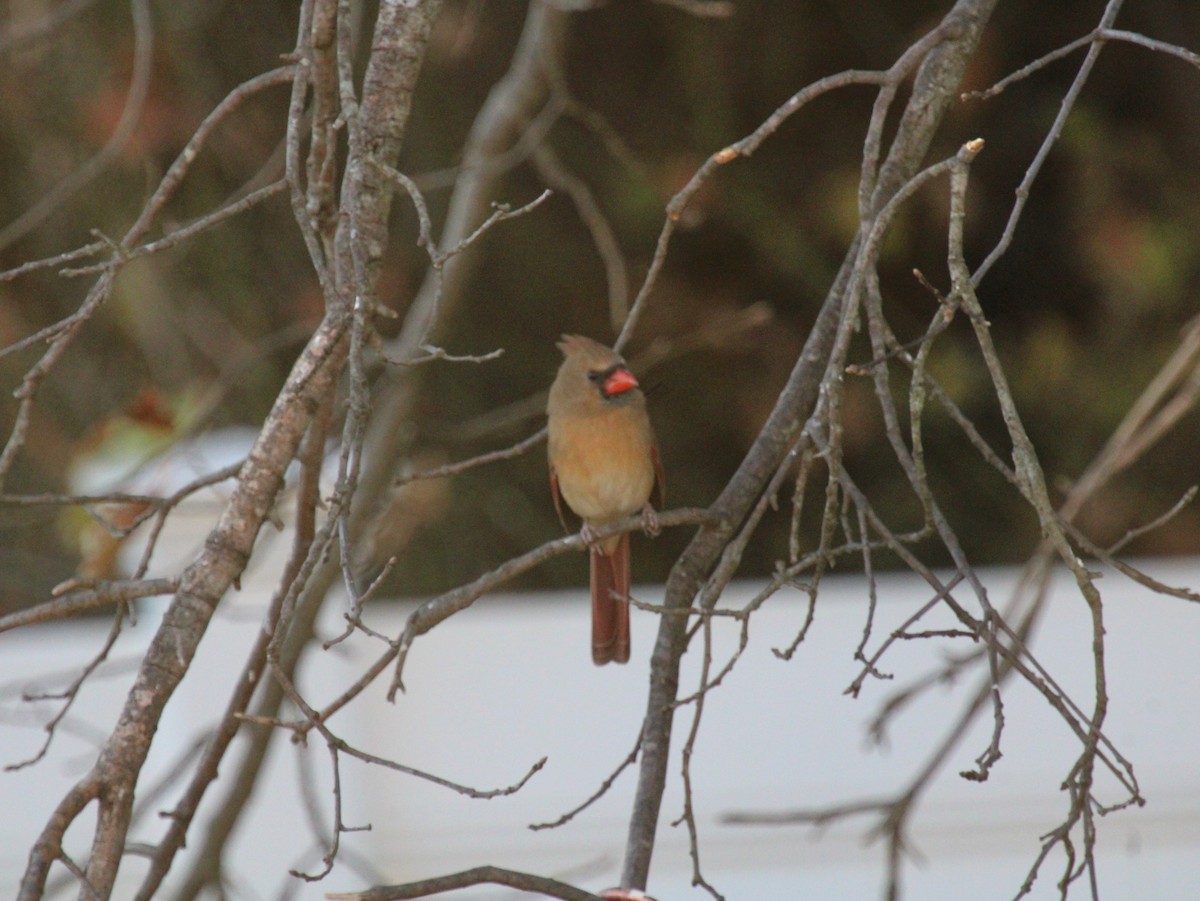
[(604, 462)]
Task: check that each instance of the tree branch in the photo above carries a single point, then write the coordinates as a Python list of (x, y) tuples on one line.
[(935, 86), (526, 882)]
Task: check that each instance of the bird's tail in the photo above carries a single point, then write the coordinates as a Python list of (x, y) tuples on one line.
[(610, 617)]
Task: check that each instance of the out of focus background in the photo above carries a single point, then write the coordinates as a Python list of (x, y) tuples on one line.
[(1103, 271), (173, 376)]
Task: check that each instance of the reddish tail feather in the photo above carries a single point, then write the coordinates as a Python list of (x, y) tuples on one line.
[(610, 617)]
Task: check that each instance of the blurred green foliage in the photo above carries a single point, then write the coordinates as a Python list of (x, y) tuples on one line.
[(1085, 306)]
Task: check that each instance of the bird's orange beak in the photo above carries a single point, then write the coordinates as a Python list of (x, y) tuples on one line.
[(620, 381)]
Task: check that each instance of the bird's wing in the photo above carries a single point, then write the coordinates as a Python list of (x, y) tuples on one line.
[(557, 498)]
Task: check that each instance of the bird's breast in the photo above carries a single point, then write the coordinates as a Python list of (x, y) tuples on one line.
[(603, 462)]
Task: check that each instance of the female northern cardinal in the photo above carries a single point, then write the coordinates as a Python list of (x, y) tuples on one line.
[(604, 460)]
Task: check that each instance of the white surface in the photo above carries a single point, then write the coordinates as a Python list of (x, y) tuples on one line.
[(510, 681)]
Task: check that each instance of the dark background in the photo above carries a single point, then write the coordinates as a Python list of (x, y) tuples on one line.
[(1085, 306)]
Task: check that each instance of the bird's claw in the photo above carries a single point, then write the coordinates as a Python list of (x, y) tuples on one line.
[(588, 534), (650, 523)]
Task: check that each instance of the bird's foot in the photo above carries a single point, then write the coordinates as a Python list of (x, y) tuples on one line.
[(588, 534), (650, 523)]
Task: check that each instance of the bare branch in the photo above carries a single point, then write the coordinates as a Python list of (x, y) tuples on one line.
[(62, 335), (338, 826), (203, 223), (948, 48), (551, 888), (1097, 36), (68, 697), (745, 147), (84, 599), (1031, 174), (558, 176), (435, 611), (688, 816), (608, 783), (68, 256), (450, 469)]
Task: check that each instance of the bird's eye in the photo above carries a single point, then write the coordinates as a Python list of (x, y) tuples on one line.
[(594, 376)]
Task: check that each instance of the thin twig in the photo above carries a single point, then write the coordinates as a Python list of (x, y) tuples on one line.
[(559, 177), (599, 793), (69, 695), (1052, 136), (450, 469)]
